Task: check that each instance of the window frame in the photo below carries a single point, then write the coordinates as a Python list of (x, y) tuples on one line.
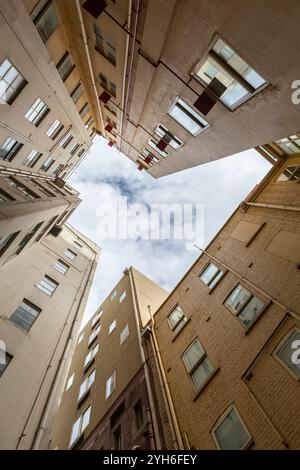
[(196, 366), (181, 322), (220, 421), (36, 20), (55, 130), (32, 306), (40, 115), (73, 257), (292, 174), (242, 307), (190, 116), (167, 132), (21, 86), (214, 277), (81, 429), (125, 331), (13, 151), (114, 378), (63, 263), (67, 57), (48, 281)]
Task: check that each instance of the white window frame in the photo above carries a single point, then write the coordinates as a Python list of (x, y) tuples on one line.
[(15, 85), (192, 114), (192, 369), (215, 278), (110, 385), (220, 421), (55, 129), (60, 263), (37, 112), (86, 384), (180, 323), (81, 424), (47, 285), (90, 355)]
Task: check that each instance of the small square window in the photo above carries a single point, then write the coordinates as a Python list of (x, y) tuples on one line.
[(112, 327), (37, 112), (70, 254), (177, 319), (61, 266), (211, 275), (110, 385), (25, 315), (65, 66), (187, 117), (81, 336), (47, 285), (122, 296), (45, 19), (54, 129)]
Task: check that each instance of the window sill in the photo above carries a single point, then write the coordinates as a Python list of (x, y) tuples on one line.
[(182, 328), (206, 383)]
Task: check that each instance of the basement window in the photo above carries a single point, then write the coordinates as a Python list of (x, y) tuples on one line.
[(187, 117), (227, 76)]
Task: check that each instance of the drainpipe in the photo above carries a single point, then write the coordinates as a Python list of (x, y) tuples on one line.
[(156, 444), (57, 379), (271, 206), (125, 68), (165, 386), (86, 47)]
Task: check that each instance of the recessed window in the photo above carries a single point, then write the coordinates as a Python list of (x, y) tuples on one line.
[(112, 327), (47, 164), (54, 129), (70, 254), (61, 266), (19, 187), (47, 285), (244, 304), (77, 92), (86, 384), (122, 296), (84, 110), (6, 240), (12, 82), (25, 315), (108, 85), (105, 45), (288, 352), (290, 145), (94, 334), (228, 76), (77, 246), (74, 149), (97, 318), (80, 425), (9, 149), (91, 355), (45, 19), (111, 108), (110, 385), (138, 415), (187, 117), (177, 319), (168, 137), (70, 381), (4, 197), (290, 173), (37, 112), (32, 158), (5, 359), (124, 334), (231, 433), (66, 140), (65, 66), (197, 364), (153, 144), (113, 295), (41, 188), (211, 275), (80, 338)]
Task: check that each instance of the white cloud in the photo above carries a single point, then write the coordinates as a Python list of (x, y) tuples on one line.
[(106, 174)]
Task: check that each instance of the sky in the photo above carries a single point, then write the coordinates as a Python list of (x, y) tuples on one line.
[(106, 175)]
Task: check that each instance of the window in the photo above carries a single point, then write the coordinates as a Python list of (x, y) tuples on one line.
[(177, 319), (21, 188), (37, 112), (148, 157), (58, 169), (288, 354), (289, 145), (118, 439), (5, 359), (81, 152), (61, 266), (77, 246), (245, 305), (66, 140), (153, 144), (94, 334), (231, 433), (124, 334), (107, 85), (47, 164), (88, 382), (113, 295), (44, 18), (9, 149), (47, 285), (74, 149), (41, 188), (25, 315), (54, 129), (111, 108), (185, 115), (91, 355), (96, 318), (110, 385), (77, 92), (122, 296), (4, 196), (80, 338), (70, 254), (112, 327), (84, 110), (228, 76), (34, 229), (89, 123), (65, 66), (6, 241), (70, 381), (197, 364), (291, 173), (211, 275), (80, 425), (138, 414), (11, 82), (105, 45), (32, 158), (168, 137)]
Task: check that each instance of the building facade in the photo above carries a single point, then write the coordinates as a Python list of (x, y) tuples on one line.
[(107, 402), (228, 335), (43, 297)]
